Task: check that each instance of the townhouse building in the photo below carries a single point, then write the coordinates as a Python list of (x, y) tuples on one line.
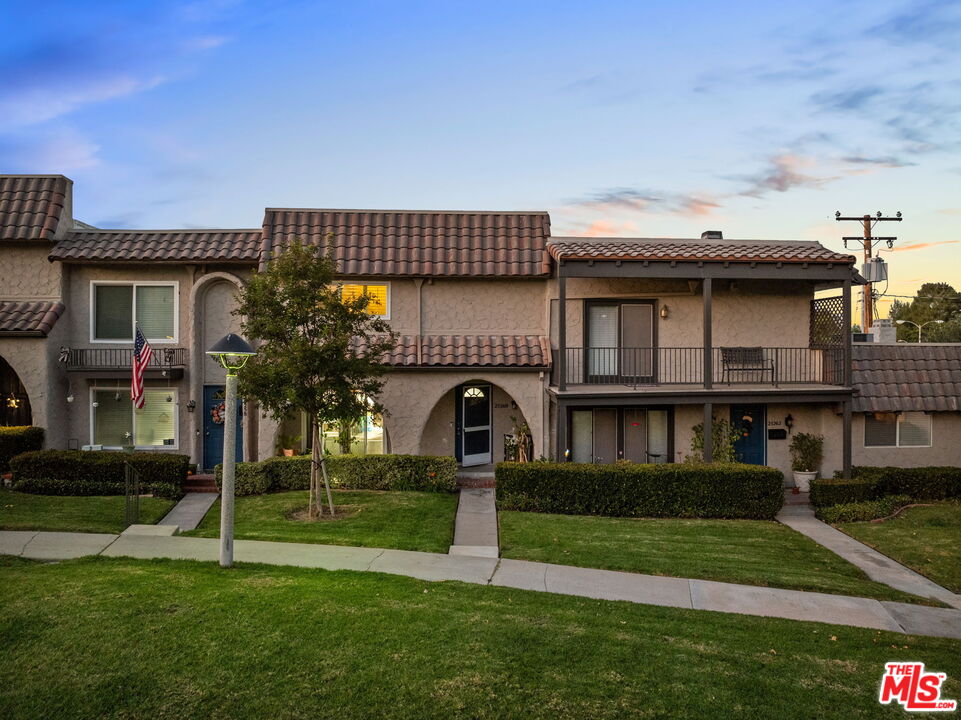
[(606, 349)]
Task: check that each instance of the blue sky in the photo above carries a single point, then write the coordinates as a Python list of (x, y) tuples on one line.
[(620, 118)]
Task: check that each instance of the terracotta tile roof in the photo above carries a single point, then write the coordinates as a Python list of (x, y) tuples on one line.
[(531, 351), (767, 251), (372, 242), (159, 246), (34, 317), (906, 377), (30, 205)]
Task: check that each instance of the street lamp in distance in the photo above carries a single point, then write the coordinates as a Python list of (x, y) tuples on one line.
[(919, 327), (233, 352)]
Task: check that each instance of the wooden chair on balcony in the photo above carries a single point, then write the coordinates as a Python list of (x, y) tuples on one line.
[(746, 359)]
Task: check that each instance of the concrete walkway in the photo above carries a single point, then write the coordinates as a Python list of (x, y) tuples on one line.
[(876, 566), (191, 509), (562, 579), (475, 527)]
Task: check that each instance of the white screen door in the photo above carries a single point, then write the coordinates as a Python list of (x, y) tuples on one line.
[(476, 425)]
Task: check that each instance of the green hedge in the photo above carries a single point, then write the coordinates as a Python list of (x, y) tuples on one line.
[(18, 439), (353, 472), (862, 511), (871, 483), (636, 490), (72, 472)]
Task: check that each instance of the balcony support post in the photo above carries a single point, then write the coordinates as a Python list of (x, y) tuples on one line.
[(708, 326), (561, 329), (708, 432), (560, 442)]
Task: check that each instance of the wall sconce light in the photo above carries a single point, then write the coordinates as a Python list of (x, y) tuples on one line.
[(789, 422), (191, 404), (665, 310), (70, 398)]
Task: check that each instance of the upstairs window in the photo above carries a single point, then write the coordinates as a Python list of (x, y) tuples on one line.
[(909, 429), (379, 297), (118, 306)]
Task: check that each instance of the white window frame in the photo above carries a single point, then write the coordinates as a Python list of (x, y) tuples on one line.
[(134, 284), (175, 402), (897, 432), (364, 283)]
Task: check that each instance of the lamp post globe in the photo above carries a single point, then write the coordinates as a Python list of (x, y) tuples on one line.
[(233, 352)]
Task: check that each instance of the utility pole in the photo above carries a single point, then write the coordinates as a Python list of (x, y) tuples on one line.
[(868, 241)]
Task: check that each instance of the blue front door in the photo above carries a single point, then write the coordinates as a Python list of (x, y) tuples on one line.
[(214, 427), (750, 424)]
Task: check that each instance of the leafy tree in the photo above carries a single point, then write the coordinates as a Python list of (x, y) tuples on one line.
[(934, 301), (320, 353)]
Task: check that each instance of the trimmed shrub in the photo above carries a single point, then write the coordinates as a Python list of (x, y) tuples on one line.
[(350, 472), (73, 472), (862, 511), (18, 439), (918, 483), (726, 490), (836, 491)]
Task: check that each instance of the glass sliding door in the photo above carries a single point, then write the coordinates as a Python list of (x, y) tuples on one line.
[(635, 434), (601, 342), (637, 342)]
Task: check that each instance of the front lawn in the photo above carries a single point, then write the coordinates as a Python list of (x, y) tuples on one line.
[(121, 638), (104, 514), (752, 552), (388, 519), (926, 539)]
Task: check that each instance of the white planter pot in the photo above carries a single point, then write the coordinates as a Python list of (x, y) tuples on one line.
[(802, 480)]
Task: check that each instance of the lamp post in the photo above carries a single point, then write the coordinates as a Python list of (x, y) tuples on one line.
[(922, 325), (233, 352)]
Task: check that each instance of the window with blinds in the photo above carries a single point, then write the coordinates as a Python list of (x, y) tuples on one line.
[(378, 295), (909, 429), (117, 306), (116, 423)]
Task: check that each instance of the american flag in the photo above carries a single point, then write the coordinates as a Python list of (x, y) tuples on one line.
[(141, 359)]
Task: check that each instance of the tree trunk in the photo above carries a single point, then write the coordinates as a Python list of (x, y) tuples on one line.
[(314, 435), (330, 499)]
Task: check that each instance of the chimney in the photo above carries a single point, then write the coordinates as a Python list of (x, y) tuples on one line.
[(885, 331), (712, 235)]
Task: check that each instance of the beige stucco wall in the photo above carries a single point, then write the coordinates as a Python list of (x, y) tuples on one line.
[(484, 307), (25, 272), (747, 313)]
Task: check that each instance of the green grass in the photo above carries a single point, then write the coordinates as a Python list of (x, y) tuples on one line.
[(120, 638), (23, 511), (926, 539), (403, 520), (752, 552)]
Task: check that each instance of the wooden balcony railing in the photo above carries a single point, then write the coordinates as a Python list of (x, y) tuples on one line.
[(772, 366)]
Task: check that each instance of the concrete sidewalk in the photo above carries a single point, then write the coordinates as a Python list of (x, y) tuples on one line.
[(543, 577), (475, 527), (876, 566)]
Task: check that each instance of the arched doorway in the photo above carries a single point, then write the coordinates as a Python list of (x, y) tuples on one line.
[(14, 401), (475, 421)]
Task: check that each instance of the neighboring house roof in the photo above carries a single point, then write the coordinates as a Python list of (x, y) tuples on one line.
[(159, 246), (532, 351), (418, 243), (32, 317), (905, 377), (30, 205), (674, 249)]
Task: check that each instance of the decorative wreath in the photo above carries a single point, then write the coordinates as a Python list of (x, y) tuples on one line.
[(217, 414)]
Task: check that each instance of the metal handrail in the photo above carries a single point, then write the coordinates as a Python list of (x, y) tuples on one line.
[(113, 358)]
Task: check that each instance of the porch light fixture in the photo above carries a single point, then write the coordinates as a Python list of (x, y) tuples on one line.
[(191, 404), (233, 352), (664, 312), (789, 422)]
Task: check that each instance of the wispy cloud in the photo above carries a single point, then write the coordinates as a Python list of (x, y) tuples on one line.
[(886, 161), (937, 22), (921, 246), (784, 172), (639, 201), (56, 150)]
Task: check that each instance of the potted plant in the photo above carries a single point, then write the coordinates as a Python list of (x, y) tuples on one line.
[(286, 444), (807, 452)]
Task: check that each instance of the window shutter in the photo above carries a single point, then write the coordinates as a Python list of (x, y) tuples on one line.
[(880, 430), (155, 422), (914, 430), (112, 418), (155, 311), (113, 314)]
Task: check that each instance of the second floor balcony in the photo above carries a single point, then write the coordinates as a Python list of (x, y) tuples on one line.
[(165, 362), (639, 367)]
